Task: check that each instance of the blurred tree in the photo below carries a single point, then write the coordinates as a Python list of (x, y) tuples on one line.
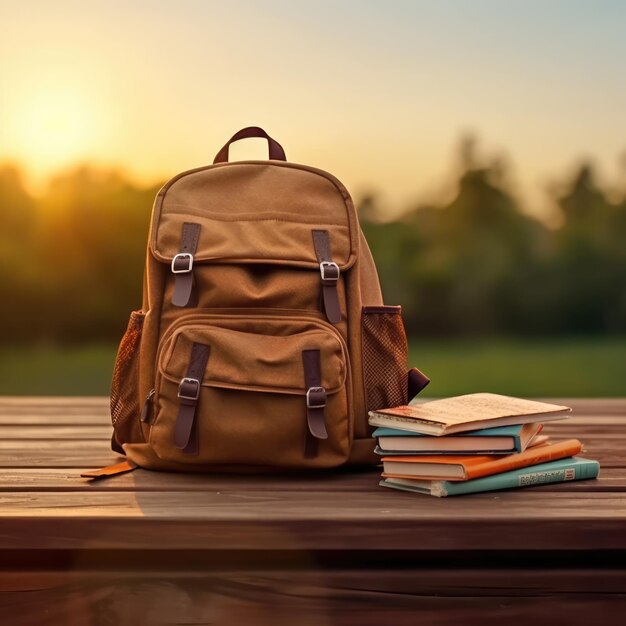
[(589, 268), (20, 278), (94, 227), (453, 266)]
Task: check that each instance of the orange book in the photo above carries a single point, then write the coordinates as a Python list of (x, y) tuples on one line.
[(453, 467)]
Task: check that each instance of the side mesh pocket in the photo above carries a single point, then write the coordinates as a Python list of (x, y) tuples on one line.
[(125, 386), (385, 356)]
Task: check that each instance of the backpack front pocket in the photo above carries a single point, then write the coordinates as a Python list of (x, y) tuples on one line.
[(265, 390)]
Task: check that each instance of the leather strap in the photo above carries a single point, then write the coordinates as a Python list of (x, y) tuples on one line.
[(182, 265), (111, 470), (275, 150), (329, 273), (188, 398), (315, 394), (416, 382)]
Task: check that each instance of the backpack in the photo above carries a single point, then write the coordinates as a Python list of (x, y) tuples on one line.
[(263, 340)]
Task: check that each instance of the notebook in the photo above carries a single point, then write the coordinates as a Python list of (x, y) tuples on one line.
[(463, 413), (469, 467), (562, 470), (501, 440)]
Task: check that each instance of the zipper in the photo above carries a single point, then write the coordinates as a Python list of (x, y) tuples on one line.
[(146, 409), (252, 313)]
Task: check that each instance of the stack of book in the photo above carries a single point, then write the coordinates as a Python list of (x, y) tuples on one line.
[(474, 443)]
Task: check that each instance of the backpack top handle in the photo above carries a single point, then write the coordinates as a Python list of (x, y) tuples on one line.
[(276, 151)]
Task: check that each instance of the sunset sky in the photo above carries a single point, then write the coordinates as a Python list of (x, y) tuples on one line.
[(376, 92)]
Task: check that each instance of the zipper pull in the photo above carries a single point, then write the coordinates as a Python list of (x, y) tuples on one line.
[(146, 410)]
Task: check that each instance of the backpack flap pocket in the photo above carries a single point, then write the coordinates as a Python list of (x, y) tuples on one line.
[(254, 213), (273, 220), (252, 390)]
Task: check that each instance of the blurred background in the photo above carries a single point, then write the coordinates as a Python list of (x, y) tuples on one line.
[(483, 143)]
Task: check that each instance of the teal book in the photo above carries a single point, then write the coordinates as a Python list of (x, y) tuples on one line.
[(500, 440), (563, 470)]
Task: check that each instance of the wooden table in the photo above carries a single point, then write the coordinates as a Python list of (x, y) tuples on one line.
[(154, 548)]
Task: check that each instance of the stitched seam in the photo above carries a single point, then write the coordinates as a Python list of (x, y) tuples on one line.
[(206, 215)]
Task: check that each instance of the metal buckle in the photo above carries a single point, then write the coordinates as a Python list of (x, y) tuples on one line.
[(191, 381), (182, 256), (329, 265), (309, 402)]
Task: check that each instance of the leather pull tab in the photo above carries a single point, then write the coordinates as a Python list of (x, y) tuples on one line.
[(329, 275), (110, 470), (416, 382), (146, 409), (189, 397), (182, 265), (315, 394)]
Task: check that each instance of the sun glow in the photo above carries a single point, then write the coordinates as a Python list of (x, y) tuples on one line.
[(52, 127)]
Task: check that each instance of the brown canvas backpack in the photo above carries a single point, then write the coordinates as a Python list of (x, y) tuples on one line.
[(263, 340)]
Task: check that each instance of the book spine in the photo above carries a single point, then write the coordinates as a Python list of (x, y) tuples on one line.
[(546, 473)]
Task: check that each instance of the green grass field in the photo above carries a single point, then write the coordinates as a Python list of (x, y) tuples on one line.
[(541, 368), (559, 367)]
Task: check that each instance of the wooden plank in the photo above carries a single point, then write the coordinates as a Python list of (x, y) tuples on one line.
[(303, 520), (65, 418), (74, 431), (96, 453), (303, 598), (428, 580), (54, 400), (604, 452), (54, 404), (590, 406), (93, 454), (582, 430), (68, 479), (370, 504), (340, 598), (31, 453), (55, 409), (28, 479), (582, 420)]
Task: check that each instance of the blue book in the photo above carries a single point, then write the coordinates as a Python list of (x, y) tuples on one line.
[(563, 470), (500, 440)]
